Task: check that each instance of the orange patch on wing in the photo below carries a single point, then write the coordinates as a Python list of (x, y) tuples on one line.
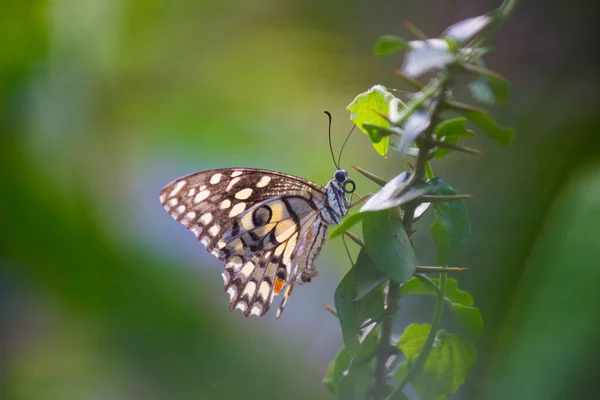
[(278, 285)]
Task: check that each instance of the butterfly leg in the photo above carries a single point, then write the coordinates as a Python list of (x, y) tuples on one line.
[(306, 276), (286, 295)]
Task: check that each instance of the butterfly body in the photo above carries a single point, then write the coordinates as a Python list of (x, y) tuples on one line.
[(268, 227)]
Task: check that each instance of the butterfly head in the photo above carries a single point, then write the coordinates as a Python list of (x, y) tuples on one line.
[(336, 204), (343, 180)]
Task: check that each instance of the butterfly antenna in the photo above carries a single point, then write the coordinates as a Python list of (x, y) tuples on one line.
[(344, 145), (330, 146)]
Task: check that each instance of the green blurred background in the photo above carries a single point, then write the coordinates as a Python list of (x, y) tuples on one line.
[(104, 296)]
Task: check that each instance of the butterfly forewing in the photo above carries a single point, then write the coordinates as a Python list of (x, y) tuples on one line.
[(264, 225)]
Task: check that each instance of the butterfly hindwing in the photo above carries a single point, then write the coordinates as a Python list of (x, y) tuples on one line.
[(256, 221)]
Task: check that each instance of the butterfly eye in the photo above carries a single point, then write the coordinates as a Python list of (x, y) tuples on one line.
[(341, 175), (349, 186)]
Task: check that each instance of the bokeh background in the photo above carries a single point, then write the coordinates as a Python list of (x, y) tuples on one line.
[(104, 296)]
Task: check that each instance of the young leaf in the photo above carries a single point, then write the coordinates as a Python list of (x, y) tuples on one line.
[(449, 131), (489, 127), (453, 127), (425, 56), (388, 44), (378, 133), (388, 246), (412, 128), (451, 230), (464, 30), (347, 223), (416, 286), (391, 195), (469, 316), (365, 108), (446, 367), (441, 153), (412, 340), (352, 314), (336, 370)]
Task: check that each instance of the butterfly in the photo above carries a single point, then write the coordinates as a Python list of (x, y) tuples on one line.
[(268, 227)]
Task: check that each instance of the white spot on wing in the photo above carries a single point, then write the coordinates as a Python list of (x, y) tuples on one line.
[(191, 215), (264, 181), (173, 202), (231, 183), (206, 218), (243, 194), (216, 178), (237, 209), (264, 290), (250, 289), (177, 188), (248, 268), (180, 208), (162, 198), (242, 306), (203, 195), (236, 173), (221, 244), (225, 204), (256, 310), (225, 275), (196, 229), (191, 192), (214, 230), (231, 292), (205, 240)]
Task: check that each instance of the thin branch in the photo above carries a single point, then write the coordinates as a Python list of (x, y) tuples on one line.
[(439, 199), (430, 270), (355, 238)]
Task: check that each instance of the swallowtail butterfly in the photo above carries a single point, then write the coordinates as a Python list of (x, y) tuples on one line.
[(266, 226)]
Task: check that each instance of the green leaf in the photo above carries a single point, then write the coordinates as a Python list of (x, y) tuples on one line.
[(489, 127), (412, 340), (388, 44), (441, 153), (378, 133), (469, 316), (369, 346), (451, 230), (447, 366), (453, 127), (357, 384), (450, 131), (500, 87), (388, 246), (347, 223), (352, 314), (335, 371), (416, 286), (364, 108), (393, 194), (368, 276)]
